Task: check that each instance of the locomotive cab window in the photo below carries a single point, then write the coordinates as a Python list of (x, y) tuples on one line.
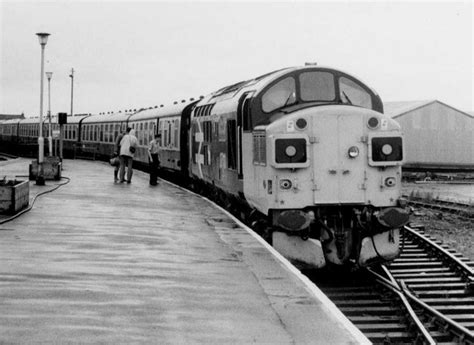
[(317, 86), (353, 94), (279, 95)]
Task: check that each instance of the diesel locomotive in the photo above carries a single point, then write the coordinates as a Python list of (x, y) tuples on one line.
[(305, 153)]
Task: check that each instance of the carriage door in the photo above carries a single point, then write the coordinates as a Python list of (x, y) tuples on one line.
[(184, 138), (337, 178), (243, 124)]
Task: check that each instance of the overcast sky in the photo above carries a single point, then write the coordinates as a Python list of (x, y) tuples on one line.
[(130, 55)]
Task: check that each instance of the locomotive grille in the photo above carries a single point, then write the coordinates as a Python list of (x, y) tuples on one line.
[(259, 148)]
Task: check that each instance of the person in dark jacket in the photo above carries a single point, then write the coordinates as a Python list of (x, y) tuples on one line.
[(154, 159)]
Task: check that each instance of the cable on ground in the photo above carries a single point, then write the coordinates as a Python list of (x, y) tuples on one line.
[(3, 221)]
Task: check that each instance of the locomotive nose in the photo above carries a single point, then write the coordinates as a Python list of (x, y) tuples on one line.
[(338, 156)]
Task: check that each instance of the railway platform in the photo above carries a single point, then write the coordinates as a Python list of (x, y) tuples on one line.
[(99, 262)]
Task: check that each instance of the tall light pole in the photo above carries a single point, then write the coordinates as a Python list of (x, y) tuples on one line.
[(43, 39), (72, 87), (49, 75)]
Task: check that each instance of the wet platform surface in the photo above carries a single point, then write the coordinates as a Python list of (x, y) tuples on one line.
[(99, 262)]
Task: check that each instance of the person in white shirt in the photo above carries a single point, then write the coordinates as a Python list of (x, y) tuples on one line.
[(128, 146)]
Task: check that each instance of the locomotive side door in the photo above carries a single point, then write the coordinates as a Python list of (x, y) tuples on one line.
[(337, 178)]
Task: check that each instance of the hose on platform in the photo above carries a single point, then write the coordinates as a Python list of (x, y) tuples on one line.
[(3, 221)]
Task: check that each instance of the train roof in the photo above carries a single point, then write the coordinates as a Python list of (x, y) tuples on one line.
[(10, 121), (114, 117), (171, 110), (54, 119)]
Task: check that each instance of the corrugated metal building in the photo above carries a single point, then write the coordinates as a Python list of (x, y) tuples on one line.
[(437, 136)]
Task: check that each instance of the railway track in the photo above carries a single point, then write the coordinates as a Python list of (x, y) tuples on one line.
[(426, 296), (458, 208)]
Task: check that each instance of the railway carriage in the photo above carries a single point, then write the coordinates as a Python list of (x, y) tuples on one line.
[(9, 131)]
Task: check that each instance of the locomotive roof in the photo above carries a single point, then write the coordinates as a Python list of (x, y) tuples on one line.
[(260, 82)]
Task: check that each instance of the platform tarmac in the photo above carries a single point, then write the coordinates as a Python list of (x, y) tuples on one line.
[(100, 262)]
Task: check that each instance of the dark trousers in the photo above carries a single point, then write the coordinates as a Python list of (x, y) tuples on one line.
[(154, 164)]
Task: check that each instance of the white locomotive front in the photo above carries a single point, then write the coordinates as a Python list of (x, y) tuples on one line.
[(324, 165)]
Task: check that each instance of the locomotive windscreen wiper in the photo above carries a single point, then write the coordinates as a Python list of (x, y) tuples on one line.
[(347, 98)]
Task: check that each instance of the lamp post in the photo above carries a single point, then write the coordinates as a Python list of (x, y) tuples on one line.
[(49, 75), (72, 87), (43, 39)]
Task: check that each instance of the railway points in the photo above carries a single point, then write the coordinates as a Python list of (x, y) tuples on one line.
[(116, 263)]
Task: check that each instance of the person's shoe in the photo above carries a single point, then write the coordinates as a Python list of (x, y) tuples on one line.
[(122, 181), (129, 181)]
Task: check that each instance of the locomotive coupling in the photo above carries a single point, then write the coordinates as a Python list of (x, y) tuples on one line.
[(393, 217)]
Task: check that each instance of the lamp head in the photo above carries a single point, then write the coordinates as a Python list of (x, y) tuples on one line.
[(49, 75), (43, 38)]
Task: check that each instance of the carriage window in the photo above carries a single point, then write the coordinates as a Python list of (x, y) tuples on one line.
[(317, 86), (281, 94), (354, 94)]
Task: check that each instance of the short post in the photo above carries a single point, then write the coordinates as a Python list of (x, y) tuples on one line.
[(62, 120)]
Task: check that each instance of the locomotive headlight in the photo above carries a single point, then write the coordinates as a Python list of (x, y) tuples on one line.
[(290, 151), (353, 152), (285, 184), (387, 149)]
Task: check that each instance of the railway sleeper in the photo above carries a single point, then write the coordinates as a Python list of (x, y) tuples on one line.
[(363, 319), (436, 279), (418, 270), (440, 293), (414, 260), (426, 277), (379, 310), (377, 327), (461, 309), (416, 253), (361, 304), (399, 337), (440, 286), (407, 265), (359, 295), (454, 301)]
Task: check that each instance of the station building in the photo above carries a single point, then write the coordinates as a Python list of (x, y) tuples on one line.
[(437, 135)]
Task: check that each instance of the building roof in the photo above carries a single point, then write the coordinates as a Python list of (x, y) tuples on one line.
[(11, 116), (396, 109)]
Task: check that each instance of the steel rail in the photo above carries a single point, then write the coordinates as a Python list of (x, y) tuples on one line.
[(465, 269), (393, 286), (460, 331)]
